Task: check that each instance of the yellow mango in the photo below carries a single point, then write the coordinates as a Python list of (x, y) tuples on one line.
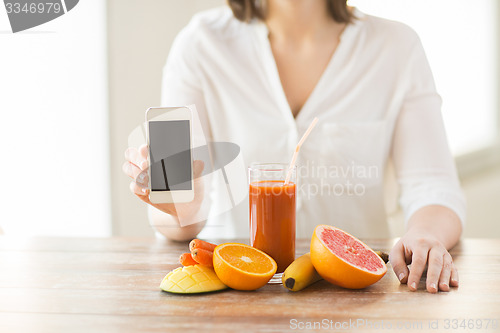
[(191, 280)]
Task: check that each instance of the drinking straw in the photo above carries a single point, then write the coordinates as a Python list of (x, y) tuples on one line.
[(297, 148)]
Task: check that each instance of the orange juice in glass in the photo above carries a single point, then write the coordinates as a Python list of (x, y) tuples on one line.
[(272, 213)]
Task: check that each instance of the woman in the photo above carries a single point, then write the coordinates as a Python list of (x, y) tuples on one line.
[(260, 71)]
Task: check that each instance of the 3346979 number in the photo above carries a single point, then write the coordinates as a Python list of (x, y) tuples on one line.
[(470, 324), (32, 8)]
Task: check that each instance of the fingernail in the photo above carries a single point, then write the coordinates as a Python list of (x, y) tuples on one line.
[(433, 286), (401, 276), (141, 177), (414, 285)]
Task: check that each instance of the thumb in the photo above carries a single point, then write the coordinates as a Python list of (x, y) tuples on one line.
[(398, 262), (198, 167), (140, 192)]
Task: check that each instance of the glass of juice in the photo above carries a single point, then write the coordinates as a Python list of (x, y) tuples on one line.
[(272, 213)]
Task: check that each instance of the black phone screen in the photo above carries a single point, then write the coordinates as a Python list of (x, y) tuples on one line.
[(170, 155)]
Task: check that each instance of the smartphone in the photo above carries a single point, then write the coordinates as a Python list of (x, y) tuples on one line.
[(170, 154)]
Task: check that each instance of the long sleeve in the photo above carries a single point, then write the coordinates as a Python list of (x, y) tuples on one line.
[(181, 84), (424, 166)]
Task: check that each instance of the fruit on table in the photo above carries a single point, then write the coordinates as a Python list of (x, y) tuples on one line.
[(192, 279), (243, 267), (343, 259), (300, 274)]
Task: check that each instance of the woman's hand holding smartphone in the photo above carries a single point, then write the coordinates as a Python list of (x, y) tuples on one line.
[(136, 167), (163, 171)]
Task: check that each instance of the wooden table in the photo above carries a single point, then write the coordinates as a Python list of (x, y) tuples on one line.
[(111, 285)]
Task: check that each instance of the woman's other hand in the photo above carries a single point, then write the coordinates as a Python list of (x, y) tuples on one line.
[(426, 244)]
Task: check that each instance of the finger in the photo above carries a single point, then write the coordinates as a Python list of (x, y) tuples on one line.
[(143, 151), (130, 169), (444, 279), (434, 268), (418, 262), (137, 189), (454, 276), (142, 193), (132, 155), (143, 179), (198, 167), (139, 176), (398, 262)]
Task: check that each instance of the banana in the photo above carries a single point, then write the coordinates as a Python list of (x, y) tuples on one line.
[(300, 274), (383, 255)]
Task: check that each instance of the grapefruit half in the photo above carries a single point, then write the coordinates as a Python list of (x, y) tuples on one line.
[(344, 260)]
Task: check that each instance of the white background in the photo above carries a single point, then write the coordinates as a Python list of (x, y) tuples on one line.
[(54, 130), (460, 39)]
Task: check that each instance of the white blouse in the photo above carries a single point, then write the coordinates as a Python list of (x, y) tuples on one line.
[(376, 102)]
